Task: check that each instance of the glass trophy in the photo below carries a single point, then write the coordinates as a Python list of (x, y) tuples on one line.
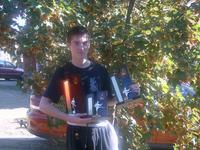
[(96, 104), (122, 85)]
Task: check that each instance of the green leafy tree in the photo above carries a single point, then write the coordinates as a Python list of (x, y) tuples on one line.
[(153, 38)]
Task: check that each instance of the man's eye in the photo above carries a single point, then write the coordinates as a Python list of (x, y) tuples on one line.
[(77, 43)]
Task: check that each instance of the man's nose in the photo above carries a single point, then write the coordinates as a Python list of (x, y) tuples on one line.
[(82, 46)]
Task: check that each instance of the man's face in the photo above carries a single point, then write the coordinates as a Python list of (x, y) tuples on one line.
[(79, 46)]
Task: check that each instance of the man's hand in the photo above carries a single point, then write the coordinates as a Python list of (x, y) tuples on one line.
[(47, 107), (76, 119), (135, 88), (112, 102)]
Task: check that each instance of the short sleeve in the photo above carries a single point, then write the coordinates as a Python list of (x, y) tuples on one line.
[(54, 88)]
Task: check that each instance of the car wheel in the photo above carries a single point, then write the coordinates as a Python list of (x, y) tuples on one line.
[(20, 78)]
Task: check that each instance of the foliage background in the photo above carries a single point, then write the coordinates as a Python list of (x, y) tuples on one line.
[(154, 38)]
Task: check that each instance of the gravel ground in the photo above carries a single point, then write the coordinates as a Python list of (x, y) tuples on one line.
[(13, 107)]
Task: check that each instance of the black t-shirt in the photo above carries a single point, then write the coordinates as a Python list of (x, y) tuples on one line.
[(93, 78)]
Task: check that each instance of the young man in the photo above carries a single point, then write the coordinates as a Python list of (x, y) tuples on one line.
[(82, 133)]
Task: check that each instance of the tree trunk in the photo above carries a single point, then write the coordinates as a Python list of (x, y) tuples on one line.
[(29, 65)]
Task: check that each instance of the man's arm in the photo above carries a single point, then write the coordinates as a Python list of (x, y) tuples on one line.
[(47, 107)]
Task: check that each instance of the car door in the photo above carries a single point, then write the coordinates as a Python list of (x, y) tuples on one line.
[(10, 70), (2, 69)]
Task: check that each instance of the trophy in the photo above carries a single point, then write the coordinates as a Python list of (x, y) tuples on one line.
[(97, 104), (122, 83), (73, 104), (126, 92), (73, 94), (101, 104), (90, 105)]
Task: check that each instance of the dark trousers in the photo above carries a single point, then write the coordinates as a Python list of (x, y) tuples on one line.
[(91, 138)]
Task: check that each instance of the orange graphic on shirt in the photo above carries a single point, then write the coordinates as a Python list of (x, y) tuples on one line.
[(75, 80)]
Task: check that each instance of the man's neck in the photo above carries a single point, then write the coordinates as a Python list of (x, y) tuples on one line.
[(83, 63)]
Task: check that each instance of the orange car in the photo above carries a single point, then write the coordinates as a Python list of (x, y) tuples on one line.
[(38, 124)]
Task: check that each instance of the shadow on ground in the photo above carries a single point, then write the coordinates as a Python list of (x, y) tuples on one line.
[(29, 144)]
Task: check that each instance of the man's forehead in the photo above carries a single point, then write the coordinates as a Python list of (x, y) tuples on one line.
[(81, 37)]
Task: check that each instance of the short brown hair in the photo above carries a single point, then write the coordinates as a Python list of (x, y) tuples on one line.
[(76, 30)]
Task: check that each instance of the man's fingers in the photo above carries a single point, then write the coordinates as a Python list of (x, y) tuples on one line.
[(81, 114), (136, 90)]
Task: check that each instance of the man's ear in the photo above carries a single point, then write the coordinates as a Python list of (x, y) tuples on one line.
[(68, 43), (89, 44)]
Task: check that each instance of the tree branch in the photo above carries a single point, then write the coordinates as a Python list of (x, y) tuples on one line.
[(130, 9)]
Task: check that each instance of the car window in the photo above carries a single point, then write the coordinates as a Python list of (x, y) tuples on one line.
[(9, 65), (1, 63)]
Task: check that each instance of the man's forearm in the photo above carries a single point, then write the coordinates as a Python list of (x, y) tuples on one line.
[(46, 107)]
